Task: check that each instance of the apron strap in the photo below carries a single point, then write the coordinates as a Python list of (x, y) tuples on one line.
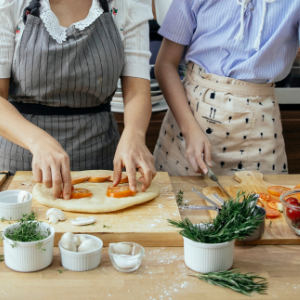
[(104, 4), (32, 9)]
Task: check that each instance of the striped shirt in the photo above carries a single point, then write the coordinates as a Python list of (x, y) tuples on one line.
[(251, 40)]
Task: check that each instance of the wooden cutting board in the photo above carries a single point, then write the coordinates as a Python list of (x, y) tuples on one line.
[(145, 224), (279, 232)]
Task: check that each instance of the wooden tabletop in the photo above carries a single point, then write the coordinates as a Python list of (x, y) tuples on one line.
[(163, 274)]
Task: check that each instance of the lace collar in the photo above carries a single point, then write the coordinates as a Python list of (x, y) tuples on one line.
[(58, 32)]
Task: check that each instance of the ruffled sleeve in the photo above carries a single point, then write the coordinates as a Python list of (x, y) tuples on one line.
[(136, 38), (7, 36)]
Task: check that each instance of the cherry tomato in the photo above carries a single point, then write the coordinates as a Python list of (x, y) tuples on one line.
[(278, 190), (293, 214), (272, 213), (292, 200), (97, 179), (80, 193), (77, 180), (119, 192), (124, 179)]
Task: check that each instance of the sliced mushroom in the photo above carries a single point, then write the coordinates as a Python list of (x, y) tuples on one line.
[(54, 215), (80, 221), (23, 196)]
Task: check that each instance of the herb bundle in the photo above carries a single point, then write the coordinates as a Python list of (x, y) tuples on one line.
[(28, 231), (241, 283), (179, 198), (236, 220)]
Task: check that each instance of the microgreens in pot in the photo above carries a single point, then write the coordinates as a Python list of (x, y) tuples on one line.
[(28, 231), (236, 220)]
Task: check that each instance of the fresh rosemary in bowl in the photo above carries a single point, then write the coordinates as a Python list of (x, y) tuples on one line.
[(28, 231), (236, 220)]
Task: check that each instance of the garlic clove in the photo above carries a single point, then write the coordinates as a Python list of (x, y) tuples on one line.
[(23, 196), (80, 221), (88, 246), (121, 248)]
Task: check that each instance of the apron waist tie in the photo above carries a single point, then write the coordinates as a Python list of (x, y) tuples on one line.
[(38, 109)]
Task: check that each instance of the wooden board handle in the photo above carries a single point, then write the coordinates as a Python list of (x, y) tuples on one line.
[(245, 176)]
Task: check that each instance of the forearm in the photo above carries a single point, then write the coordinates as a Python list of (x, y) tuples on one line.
[(13, 126), (137, 102)]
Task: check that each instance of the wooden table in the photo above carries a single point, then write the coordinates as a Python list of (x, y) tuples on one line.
[(163, 274)]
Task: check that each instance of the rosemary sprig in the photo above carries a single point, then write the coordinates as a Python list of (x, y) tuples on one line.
[(1, 258), (241, 283), (236, 220), (179, 198)]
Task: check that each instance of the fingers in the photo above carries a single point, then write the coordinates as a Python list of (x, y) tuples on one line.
[(37, 174), (117, 172), (56, 181), (131, 173), (66, 180), (207, 154), (148, 173), (47, 178)]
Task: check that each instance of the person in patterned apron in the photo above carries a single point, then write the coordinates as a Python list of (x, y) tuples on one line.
[(225, 112), (62, 80)]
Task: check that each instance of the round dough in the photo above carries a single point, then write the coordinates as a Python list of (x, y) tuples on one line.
[(99, 202)]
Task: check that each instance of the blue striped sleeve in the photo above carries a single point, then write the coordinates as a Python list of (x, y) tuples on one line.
[(180, 22)]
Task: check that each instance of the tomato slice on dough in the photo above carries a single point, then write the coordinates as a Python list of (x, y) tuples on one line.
[(119, 192), (77, 180), (272, 213), (80, 193), (124, 179), (278, 190), (97, 179)]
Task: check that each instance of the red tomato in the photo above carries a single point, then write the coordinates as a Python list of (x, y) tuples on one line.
[(293, 214), (119, 192), (272, 213), (77, 180), (278, 190), (265, 197), (97, 179), (297, 187), (292, 200), (275, 205), (124, 178), (80, 193)]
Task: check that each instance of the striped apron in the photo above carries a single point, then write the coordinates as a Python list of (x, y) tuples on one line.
[(66, 89), (240, 119)]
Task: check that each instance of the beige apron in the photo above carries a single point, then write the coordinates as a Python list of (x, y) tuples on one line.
[(240, 119)]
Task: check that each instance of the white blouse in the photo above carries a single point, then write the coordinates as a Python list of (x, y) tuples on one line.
[(130, 16)]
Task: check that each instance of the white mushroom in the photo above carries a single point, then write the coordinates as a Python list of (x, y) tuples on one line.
[(67, 241), (79, 239), (121, 248), (23, 196), (88, 246), (80, 221), (54, 215)]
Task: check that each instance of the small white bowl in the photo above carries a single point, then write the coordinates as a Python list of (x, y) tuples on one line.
[(28, 256), (81, 261), (204, 258), (10, 209)]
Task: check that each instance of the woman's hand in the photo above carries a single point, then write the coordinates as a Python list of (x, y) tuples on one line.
[(198, 149), (132, 153), (51, 166)]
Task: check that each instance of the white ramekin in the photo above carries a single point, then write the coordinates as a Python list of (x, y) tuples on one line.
[(204, 258), (28, 256), (81, 261), (10, 209)]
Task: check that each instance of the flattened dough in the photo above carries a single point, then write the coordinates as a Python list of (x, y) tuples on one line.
[(99, 202)]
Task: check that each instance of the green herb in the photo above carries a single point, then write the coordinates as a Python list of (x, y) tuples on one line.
[(236, 220), (1, 258), (61, 271), (2, 219), (270, 223), (241, 283), (27, 232), (105, 226), (179, 198), (31, 217), (39, 245)]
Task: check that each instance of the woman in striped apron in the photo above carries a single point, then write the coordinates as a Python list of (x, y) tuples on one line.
[(225, 112), (62, 82)]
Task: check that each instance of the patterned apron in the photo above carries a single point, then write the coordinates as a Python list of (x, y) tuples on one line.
[(79, 74), (240, 119)]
